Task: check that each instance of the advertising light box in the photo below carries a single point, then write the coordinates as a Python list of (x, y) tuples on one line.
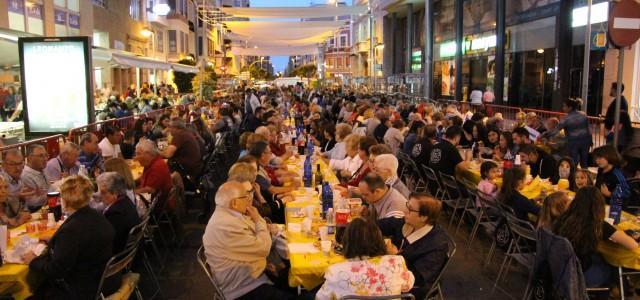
[(56, 84)]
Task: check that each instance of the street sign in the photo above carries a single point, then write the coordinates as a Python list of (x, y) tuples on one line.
[(624, 23)]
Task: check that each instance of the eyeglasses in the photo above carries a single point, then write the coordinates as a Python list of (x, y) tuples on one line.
[(246, 197), (410, 209), (13, 163), (42, 155)]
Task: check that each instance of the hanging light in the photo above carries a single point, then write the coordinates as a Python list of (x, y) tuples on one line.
[(161, 8)]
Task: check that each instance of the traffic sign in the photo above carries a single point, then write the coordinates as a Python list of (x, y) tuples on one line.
[(624, 23)]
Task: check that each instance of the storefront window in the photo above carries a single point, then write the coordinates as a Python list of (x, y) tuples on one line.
[(443, 49), (479, 42)]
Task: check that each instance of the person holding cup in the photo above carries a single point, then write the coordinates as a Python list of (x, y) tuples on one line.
[(419, 240)]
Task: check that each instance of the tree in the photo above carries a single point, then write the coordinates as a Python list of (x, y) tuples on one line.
[(209, 80), (257, 73), (183, 80), (306, 71)]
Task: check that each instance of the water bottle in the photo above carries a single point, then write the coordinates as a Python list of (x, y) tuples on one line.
[(309, 146), (327, 198), (83, 171), (615, 210), (331, 221), (308, 172)]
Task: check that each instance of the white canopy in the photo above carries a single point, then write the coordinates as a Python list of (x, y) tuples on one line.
[(275, 51), (293, 12), (103, 57)]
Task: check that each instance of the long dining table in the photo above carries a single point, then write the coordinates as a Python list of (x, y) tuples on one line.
[(614, 254), (308, 262)]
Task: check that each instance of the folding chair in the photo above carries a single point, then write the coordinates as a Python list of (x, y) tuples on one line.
[(431, 179), (202, 260), (521, 249), (436, 291), (117, 264), (455, 202)]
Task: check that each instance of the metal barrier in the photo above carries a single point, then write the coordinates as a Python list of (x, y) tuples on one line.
[(52, 143)]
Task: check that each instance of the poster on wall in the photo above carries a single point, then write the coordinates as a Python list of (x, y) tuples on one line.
[(448, 78), (56, 83)]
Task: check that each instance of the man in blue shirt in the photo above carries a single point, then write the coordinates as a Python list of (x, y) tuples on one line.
[(90, 156)]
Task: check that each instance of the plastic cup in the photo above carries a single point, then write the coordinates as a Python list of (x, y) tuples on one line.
[(354, 206), (325, 246), (324, 233), (31, 227), (42, 226)]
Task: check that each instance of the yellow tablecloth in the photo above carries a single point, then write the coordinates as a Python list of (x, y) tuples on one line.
[(614, 254), (308, 269), (13, 277)]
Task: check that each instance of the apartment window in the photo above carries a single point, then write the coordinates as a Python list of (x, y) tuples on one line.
[(101, 3), (172, 42), (346, 62), (343, 41), (160, 41), (338, 62), (134, 9), (200, 46), (184, 7)]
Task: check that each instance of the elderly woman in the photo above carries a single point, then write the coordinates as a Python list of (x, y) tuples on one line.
[(419, 240), (349, 165), (364, 249), (78, 251), (386, 165), (119, 211)]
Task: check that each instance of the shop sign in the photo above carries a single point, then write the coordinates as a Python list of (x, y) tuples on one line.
[(599, 14), (470, 44), (598, 40), (416, 61), (60, 17)]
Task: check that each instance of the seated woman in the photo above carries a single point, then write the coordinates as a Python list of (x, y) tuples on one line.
[(512, 182), (493, 140), (419, 240), (338, 151), (584, 226), (505, 148), (78, 251), (567, 171), (365, 167), (349, 165), (554, 205), (369, 271), (7, 215), (265, 179)]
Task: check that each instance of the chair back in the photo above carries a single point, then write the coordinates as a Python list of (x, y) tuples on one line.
[(136, 233), (451, 251), (449, 184), (401, 296), (432, 181), (115, 265), (521, 229), (202, 260)]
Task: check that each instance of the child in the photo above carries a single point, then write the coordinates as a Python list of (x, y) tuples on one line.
[(554, 205), (487, 187), (583, 178)]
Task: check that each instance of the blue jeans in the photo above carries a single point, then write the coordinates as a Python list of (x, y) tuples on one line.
[(579, 154), (599, 273)]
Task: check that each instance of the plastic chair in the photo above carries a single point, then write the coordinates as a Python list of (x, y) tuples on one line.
[(136, 235), (521, 247), (435, 289), (401, 296), (202, 260)]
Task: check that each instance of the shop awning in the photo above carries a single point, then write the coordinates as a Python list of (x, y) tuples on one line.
[(294, 12), (275, 51), (105, 58)]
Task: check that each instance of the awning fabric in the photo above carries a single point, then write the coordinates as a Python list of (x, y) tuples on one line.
[(294, 12), (275, 51), (103, 57)]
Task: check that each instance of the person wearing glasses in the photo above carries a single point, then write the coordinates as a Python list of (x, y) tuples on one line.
[(14, 206), (236, 243), (33, 176), (419, 240)]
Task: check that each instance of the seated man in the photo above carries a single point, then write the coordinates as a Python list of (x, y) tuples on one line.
[(541, 163), (444, 156), (119, 211), (237, 243), (520, 137), (110, 144), (386, 166), (384, 201), (65, 164), (33, 176), (90, 156), (14, 209), (184, 149), (156, 177)]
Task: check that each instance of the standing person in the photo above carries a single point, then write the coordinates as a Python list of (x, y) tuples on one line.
[(33, 176), (78, 251), (584, 226), (10, 102), (65, 164), (364, 249), (625, 129), (110, 144), (576, 129)]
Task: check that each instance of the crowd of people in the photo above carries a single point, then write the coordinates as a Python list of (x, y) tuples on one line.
[(360, 137)]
